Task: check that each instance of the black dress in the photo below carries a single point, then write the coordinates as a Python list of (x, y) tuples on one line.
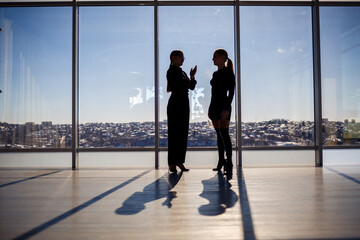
[(222, 82), (178, 112)]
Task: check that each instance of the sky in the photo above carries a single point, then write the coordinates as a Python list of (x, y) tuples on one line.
[(116, 61)]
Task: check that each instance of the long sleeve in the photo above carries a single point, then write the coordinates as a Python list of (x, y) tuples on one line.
[(231, 89), (178, 81), (174, 79), (222, 91), (192, 84)]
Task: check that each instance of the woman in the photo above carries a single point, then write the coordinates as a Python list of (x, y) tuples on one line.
[(178, 83), (222, 93)]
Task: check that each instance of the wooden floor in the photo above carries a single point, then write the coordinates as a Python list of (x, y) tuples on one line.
[(257, 203)]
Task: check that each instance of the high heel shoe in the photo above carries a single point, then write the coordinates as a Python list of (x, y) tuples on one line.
[(221, 163), (172, 168), (229, 168), (182, 167)]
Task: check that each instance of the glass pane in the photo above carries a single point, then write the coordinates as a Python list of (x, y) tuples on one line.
[(36, 160), (35, 73), (276, 76), (341, 157), (340, 71), (116, 159), (197, 31), (278, 158), (116, 76)]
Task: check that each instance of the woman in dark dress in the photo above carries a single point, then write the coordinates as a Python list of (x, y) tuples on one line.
[(222, 93), (178, 110)]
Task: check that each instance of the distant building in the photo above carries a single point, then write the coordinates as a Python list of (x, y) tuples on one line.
[(46, 124)]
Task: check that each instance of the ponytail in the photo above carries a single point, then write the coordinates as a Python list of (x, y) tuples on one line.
[(229, 64)]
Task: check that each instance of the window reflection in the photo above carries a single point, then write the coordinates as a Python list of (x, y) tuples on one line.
[(35, 72), (116, 76), (117, 69), (276, 76), (340, 61), (197, 31)]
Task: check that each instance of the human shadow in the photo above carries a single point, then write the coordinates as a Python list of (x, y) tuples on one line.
[(217, 191), (161, 188)]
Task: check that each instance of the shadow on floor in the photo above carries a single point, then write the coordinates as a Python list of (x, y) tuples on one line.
[(161, 188), (217, 190), (30, 178), (77, 209), (344, 175), (246, 217)]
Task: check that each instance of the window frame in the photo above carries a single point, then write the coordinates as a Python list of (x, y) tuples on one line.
[(315, 5)]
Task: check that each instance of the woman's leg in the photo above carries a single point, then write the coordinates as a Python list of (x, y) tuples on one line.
[(227, 142), (220, 145), (182, 119), (171, 137), (224, 130)]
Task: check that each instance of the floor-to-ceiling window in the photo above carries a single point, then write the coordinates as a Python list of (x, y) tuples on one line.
[(35, 78), (116, 81), (340, 71), (124, 49), (116, 77), (276, 76), (197, 31), (276, 82)]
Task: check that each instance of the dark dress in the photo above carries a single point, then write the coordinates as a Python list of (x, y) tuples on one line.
[(222, 82), (222, 94), (178, 112)]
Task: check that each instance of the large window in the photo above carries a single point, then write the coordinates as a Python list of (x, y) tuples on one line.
[(35, 73), (197, 31), (116, 77), (123, 52), (340, 65), (276, 76)]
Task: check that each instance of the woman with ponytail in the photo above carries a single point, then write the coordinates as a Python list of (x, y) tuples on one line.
[(178, 110), (222, 94)]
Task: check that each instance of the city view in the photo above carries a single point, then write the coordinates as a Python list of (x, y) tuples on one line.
[(276, 132), (276, 58)]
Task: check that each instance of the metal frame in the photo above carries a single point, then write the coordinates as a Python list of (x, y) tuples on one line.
[(314, 4), (156, 55), (317, 83), (238, 84), (75, 87), (179, 3)]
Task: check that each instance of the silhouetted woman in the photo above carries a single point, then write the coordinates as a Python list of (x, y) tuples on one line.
[(178, 83), (222, 93)]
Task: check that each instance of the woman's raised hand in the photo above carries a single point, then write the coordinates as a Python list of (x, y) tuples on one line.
[(193, 72)]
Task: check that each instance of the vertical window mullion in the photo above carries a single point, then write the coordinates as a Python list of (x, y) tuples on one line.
[(75, 86), (238, 83), (317, 84), (156, 78)]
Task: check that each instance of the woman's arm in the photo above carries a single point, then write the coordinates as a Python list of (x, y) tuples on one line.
[(174, 79), (192, 84), (231, 88)]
